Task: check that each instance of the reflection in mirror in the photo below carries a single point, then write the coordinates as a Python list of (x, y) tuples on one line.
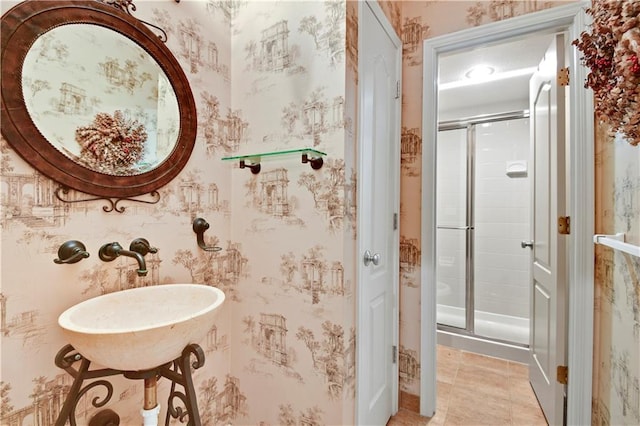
[(112, 110)]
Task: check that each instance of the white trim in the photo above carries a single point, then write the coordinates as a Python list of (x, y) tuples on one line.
[(428, 330), (570, 18), (581, 250), (360, 355)]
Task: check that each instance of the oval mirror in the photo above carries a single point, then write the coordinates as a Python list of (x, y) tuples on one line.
[(93, 99)]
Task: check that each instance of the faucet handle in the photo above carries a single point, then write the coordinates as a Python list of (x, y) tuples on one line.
[(71, 252), (142, 246)]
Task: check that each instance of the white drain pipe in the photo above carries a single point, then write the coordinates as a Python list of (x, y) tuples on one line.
[(151, 416)]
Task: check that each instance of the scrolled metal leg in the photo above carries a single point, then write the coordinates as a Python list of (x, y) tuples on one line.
[(65, 358), (68, 409), (180, 373)]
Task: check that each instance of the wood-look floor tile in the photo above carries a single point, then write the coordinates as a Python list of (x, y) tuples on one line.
[(407, 418), (443, 393), (438, 419), (447, 361), (520, 392), (522, 415), (445, 353), (474, 390), (475, 404), (477, 360), (482, 380), (518, 370), (482, 410)]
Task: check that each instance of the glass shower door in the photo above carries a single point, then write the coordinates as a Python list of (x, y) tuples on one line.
[(501, 222), (452, 227)]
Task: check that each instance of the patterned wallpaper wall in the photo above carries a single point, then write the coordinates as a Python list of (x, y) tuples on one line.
[(616, 387), (616, 396), (293, 327), (34, 290), (274, 75)]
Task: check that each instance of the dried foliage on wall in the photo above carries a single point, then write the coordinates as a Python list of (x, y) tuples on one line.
[(612, 50)]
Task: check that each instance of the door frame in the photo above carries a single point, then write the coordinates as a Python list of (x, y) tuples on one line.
[(571, 19), (361, 320)]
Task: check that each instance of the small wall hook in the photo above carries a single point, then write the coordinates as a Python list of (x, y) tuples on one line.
[(72, 251), (199, 226)]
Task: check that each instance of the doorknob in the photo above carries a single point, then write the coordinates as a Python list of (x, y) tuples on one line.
[(525, 244), (369, 258)]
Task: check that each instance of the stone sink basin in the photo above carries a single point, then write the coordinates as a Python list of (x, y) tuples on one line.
[(141, 328)]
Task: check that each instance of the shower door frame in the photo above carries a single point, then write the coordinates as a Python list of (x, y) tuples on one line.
[(469, 124), (573, 20)]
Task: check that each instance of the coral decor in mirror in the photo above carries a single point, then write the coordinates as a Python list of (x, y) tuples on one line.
[(93, 99)]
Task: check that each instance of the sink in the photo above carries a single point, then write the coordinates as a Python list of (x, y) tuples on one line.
[(141, 328)]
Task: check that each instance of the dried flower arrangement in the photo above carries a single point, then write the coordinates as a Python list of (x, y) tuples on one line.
[(612, 52), (111, 144)]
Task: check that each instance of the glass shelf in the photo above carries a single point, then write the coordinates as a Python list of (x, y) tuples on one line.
[(252, 161)]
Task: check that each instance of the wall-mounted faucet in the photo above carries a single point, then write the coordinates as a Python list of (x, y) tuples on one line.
[(137, 250)]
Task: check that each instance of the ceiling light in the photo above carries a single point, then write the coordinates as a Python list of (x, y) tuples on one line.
[(494, 77), (479, 71)]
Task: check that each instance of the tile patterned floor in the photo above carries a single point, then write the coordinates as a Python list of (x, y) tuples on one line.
[(478, 390)]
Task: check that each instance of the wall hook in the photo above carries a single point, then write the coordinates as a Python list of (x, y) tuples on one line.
[(199, 226), (71, 252)]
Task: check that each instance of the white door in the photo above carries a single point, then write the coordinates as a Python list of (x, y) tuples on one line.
[(549, 278), (378, 195)]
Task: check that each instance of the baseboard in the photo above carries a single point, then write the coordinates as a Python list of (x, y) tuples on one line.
[(410, 402)]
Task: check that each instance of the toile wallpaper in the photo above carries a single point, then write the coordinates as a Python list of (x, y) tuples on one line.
[(293, 327), (616, 389), (34, 223), (268, 76)]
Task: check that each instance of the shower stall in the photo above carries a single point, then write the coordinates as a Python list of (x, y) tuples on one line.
[(482, 216)]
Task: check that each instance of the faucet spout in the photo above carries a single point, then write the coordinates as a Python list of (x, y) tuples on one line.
[(110, 251)]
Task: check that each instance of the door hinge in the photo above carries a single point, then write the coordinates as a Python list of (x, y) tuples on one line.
[(397, 89), (562, 374), (395, 221), (563, 76), (394, 354), (564, 225)]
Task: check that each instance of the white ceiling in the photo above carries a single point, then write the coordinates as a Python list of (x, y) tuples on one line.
[(525, 53)]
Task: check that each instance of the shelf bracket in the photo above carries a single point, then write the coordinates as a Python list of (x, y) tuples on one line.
[(252, 161), (315, 162), (254, 167)]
